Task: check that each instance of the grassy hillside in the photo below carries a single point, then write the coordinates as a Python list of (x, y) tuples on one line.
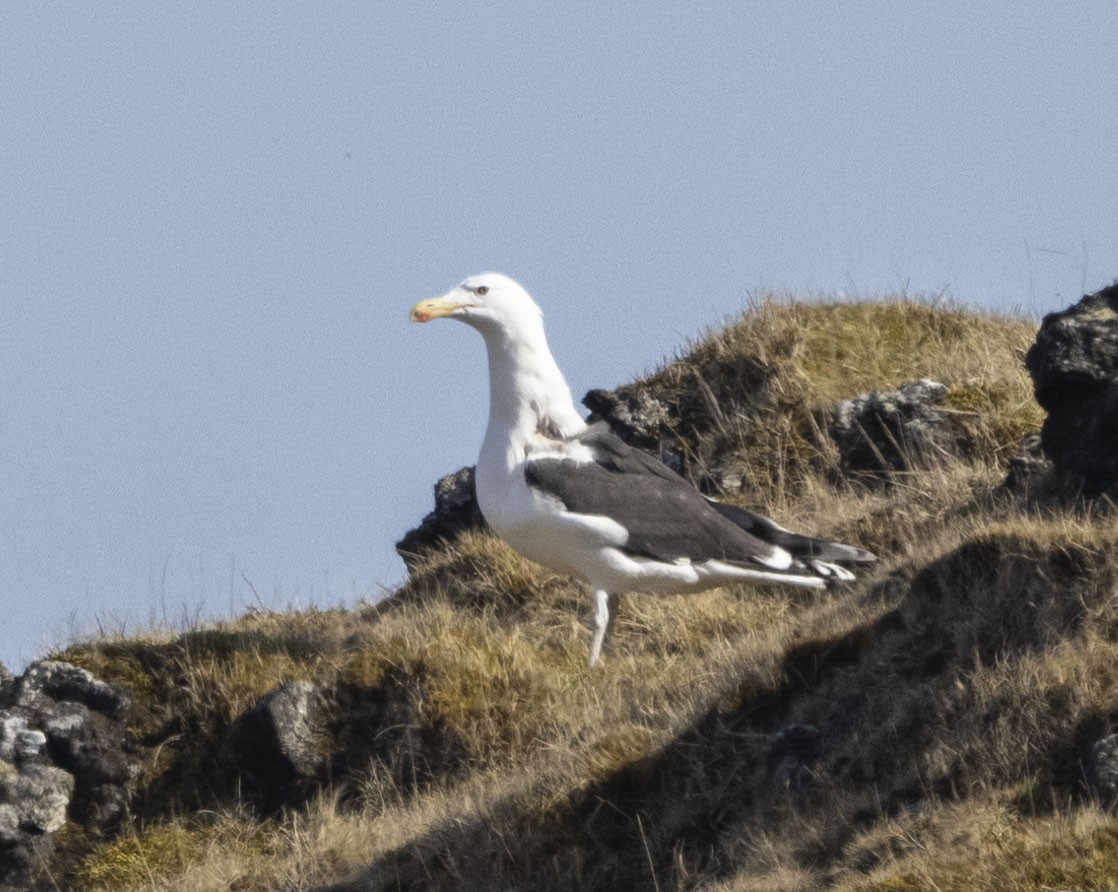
[(923, 729)]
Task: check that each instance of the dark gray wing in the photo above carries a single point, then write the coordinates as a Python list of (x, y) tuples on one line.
[(666, 517)]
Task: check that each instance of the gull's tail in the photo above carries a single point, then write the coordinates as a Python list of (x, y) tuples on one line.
[(820, 556)]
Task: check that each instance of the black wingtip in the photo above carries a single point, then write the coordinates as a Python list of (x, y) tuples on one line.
[(803, 547)]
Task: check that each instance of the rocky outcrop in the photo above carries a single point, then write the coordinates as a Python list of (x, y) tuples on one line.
[(877, 432), (642, 420), (66, 758), (63, 757), (1074, 367), (456, 510)]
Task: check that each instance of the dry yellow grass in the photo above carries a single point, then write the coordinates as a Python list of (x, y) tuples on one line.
[(954, 688), (751, 393)]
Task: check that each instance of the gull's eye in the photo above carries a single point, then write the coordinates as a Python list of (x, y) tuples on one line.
[(481, 289)]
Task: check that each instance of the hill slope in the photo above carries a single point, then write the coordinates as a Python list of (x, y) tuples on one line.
[(929, 727)]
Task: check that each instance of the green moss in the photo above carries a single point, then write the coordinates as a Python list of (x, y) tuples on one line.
[(159, 851), (150, 856)]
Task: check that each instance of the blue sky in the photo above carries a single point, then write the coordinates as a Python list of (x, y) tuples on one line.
[(216, 217)]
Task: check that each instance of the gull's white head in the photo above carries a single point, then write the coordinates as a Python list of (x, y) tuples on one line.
[(527, 391), (488, 302)]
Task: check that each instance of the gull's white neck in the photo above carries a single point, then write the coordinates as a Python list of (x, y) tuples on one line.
[(528, 395)]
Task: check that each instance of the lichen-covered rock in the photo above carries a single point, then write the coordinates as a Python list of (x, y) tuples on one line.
[(63, 756), (65, 682), (1074, 367), (34, 801), (456, 510), (644, 421), (634, 414), (40, 795), (894, 430), (17, 740)]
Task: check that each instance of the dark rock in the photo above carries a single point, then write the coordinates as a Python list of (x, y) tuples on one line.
[(894, 430), (456, 510), (1076, 350), (635, 415), (21, 853), (274, 749), (1074, 367), (638, 418), (93, 748), (1102, 770)]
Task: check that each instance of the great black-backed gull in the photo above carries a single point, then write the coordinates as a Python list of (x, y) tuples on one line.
[(577, 499)]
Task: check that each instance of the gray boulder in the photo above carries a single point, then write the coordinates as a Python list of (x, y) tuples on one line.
[(894, 430), (274, 749), (34, 802), (1074, 367), (39, 795)]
